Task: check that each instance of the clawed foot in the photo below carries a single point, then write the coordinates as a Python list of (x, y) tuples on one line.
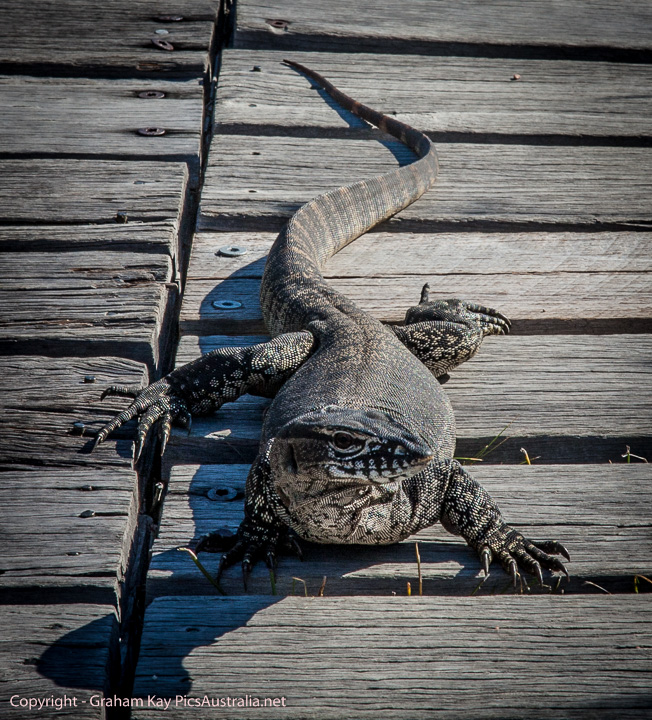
[(155, 403), (249, 547), (512, 551), (458, 311)]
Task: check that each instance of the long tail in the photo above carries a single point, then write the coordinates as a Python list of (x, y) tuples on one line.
[(293, 291)]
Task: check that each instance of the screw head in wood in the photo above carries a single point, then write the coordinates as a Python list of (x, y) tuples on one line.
[(151, 95), (278, 24), (226, 304), (231, 251), (151, 131), (162, 44)]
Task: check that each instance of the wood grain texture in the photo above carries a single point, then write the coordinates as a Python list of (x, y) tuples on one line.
[(57, 651), (42, 397), (386, 658), (158, 238), (114, 38), (52, 545), (85, 303), (60, 116), (525, 186), (90, 191), (544, 282), (567, 399), (449, 95), (441, 27), (601, 514)]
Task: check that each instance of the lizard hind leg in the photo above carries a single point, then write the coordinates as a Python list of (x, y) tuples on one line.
[(445, 333)]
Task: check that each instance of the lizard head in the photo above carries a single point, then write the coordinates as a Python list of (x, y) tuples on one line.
[(349, 446)]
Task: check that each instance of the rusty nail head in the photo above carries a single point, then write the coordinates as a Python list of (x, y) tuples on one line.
[(281, 24), (231, 251), (226, 304), (170, 18), (151, 95), (516, 76), (151, 131), (163, 44)]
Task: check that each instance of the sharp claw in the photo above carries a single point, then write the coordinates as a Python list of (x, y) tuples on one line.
[(425, 294), (98, 441), (513, 569), (246, 572), (297, 548), (138, 449), (539, 574), (485, 559), (563, 552), (221, 567)]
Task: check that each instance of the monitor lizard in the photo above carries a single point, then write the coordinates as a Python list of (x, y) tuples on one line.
[(357, 445)]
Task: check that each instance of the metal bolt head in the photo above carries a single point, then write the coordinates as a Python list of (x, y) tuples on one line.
[(86, 488), (89, 378), (151, 95), (278, 24), (162, 31), (222, 494), (121, 217), (256, 68), (231, 251), (162, 44), (151, 131), (78, 427), (87, 514), (226, 304)]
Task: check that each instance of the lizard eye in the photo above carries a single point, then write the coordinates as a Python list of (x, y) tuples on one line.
[(344, 441)]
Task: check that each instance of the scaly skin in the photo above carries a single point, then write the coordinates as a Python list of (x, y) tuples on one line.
[(357, 446)]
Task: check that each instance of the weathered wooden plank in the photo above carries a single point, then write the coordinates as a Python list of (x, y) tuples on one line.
[(131, 322), (43, 397), (56, 652), (545, 282), (57, 271), (75, 38), (107, 118), (567, 399), (601, 513), (450, 97), (67, 530), (542, 29), (90, 191), (489, 186), (157, 238), (391, 657)]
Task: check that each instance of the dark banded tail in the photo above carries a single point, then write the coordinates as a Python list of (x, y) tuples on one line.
[(293, 291)]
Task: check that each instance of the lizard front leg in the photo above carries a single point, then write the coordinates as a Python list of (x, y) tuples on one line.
[(263, 533), (203, 385), (445, 333), (445, 492)]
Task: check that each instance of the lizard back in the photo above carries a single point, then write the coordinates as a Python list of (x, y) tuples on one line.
[(293, 291)]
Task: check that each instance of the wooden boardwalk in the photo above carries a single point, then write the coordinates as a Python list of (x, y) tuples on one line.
[(541, 114)]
